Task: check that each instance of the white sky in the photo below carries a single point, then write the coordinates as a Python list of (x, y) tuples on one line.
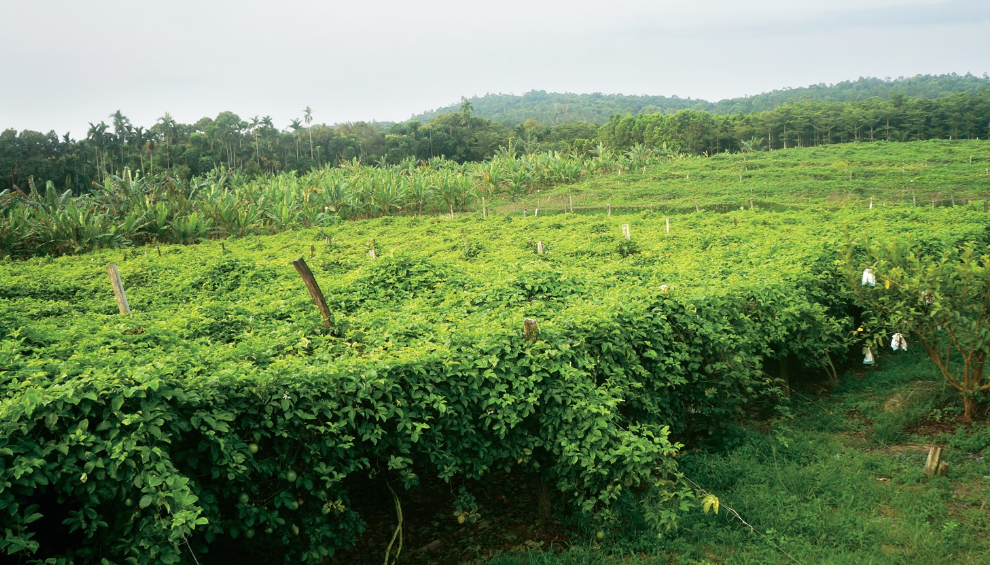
[(64, 63)]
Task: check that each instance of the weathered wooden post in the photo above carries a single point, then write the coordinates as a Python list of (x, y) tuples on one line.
[(371, 250), (484, 210), (934, 458), (625, 231), (159, 249), (696, 209), (610, 209), (668, 225), (871, 203), (539, 248), (118, 289), (750, 203), (570, 203), (314, 289), (312, 250)]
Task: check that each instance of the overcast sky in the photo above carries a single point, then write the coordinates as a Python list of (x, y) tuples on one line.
[(64, 63)]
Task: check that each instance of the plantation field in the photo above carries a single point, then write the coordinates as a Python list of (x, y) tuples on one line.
[(223, 419), (132, 210), (915, 174)]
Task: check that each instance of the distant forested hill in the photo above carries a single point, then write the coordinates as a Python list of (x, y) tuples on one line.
[(556, 108)]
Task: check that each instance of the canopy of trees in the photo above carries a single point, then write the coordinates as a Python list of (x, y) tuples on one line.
[(948, 106)]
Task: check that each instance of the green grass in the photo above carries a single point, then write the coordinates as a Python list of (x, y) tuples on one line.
[(842, 482), (847, 175)]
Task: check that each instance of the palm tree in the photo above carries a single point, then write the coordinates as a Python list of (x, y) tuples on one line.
[(268, 128), (295, 126), (308, 118), (97, 134), (167, 126), (255, 122), (122, 131)]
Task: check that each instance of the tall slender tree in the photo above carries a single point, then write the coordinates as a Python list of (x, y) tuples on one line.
[(308, 118)]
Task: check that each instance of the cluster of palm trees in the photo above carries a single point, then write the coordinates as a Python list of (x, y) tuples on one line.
[(132, 209), (112, 148), (127, 146)]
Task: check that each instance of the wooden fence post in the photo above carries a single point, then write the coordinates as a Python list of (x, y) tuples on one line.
[(871, 203), (118, 289), (668, 225), (934, 458), (610, 209), (625, 231), (539, 248), (484, 210), (570, 203), (314, 289)]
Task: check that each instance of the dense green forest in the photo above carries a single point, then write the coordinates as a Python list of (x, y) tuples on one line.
[(942, 107)]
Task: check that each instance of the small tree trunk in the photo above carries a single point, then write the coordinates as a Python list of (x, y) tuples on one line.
[(969, 407), (543, 505)]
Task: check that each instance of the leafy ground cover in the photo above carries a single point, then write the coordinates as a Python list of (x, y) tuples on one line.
[(221, 418)]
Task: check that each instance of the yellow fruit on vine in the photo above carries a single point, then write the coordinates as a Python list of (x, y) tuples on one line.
[(600, 534), (253, 448), (291, 476)]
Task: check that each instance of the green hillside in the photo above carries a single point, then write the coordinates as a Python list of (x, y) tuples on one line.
[(562, 108)]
